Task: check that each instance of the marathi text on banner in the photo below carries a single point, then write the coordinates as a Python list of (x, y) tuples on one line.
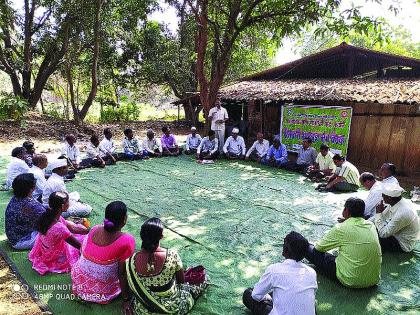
[(323, 124)]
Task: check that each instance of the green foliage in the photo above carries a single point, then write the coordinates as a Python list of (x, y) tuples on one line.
[(12, 107), (126, 112), (54, 110)]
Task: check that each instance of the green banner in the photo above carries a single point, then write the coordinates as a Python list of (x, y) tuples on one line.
[(323, 124)]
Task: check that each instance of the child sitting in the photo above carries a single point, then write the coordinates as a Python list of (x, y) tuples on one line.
[(93, 158), (107, 148), (56, 248), (133, 149), (71, 151)]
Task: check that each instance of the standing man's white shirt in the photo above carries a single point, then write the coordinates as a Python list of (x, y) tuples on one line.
[(71, 152), (390, 180), (293, 285), (400, 221), (261, 148), (235, 146), (15, 168), (373, 199), (41, 181), (219, 127), (106, 146)]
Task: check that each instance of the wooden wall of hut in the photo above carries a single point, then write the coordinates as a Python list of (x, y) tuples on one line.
[(379, 133), (385, 133)]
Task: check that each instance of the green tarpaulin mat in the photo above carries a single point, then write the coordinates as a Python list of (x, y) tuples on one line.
[(232, 218)]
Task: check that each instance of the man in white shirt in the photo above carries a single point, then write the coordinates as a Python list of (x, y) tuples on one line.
[(324, 164), (152, 145), (285, 288), (16, 166), (345, 178), (71, 151), (93, 154), (397, 222), (259, 149), (209, 147), (234, 147), (368, 181), (39, 163), (56, 183), (107, 147), (387, 173), (218, 115), (133, 149), (193, 141)]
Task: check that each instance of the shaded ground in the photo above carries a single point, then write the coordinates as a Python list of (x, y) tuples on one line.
[(232, 218)]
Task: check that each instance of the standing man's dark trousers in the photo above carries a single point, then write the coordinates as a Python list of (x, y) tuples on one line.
[(324, 262), (263, 307)]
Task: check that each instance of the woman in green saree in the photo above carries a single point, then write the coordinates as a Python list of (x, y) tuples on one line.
[(156, 277)]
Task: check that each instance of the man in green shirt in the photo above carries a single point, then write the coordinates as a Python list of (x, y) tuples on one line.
[(358, 264)]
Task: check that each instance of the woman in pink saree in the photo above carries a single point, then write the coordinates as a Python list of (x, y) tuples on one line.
[(97, 275), (58, 242)]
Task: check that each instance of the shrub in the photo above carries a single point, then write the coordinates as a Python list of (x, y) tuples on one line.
[(125, 112), (12, 107)]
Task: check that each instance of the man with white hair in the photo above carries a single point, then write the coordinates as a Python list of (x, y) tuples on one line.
[(56, 183), (152, 145), (259, 149), (193, 141), (218, 115), (234, 147), (397, 222)]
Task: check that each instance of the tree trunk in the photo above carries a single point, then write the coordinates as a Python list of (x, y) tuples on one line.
[(74, 107), (27, 50), (94, 71)]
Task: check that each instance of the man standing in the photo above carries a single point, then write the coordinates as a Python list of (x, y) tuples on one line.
[(291, 284), (345, 178), (358, 264), (324, 164), (234, 147), (368, 181), (218, 115), (398, 222), (193, 141), (387, 173), (277, 154), (259, 149)]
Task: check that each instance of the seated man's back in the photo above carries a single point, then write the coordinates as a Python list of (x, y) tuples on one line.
[(359, 259)]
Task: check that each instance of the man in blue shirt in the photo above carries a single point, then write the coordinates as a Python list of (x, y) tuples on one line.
[(276, 155)]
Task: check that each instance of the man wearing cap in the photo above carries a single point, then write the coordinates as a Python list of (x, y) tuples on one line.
[(152, 145), (259, 149), (368, 181), (234, 147), (218, 115), (397, 222), (56, 183), (387, 173), (209, 147), (193, 141)]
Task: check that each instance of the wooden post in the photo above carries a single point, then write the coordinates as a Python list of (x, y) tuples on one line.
[(178, 111)]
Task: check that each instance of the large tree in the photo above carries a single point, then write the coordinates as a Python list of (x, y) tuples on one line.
[(221, 24), (33, 42)]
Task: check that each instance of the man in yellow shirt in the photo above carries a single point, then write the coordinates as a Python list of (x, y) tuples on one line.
[(358, 264)]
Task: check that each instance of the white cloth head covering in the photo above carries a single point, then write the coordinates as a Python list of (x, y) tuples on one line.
[(235, 130), (57, 163), (392, 190), (193, 128)]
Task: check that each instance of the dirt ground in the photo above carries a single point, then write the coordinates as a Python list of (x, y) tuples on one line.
[(14, 299)]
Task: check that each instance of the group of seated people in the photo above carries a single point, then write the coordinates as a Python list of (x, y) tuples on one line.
[(102, 261)]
